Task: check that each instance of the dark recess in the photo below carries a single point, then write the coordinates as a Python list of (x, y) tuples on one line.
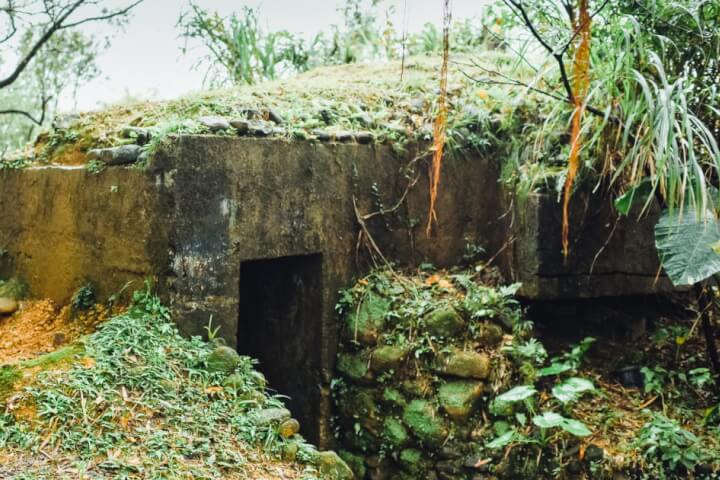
[(279, 324)]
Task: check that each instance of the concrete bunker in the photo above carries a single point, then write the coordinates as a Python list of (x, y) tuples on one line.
[(279, 324)]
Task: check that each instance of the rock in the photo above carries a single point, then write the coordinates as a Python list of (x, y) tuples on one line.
[(364, 137), (261, 129), (394, 397), (355, 367), (444, 322), (395, 128), (251, 113), (459, 398), (288, 428), (223, 360), (121, 155), (241, 126), (364, 324), (270, 416), (214, 123), (465, 364), (395, 432), (410, 458), (343, 136), (253, 396), (425, 422), (8, 306), (388, 357), (490, 335), (141, 136), (290, 451), (355, 462), (322, 135), (333, 467), (275, 117), (360, 404)]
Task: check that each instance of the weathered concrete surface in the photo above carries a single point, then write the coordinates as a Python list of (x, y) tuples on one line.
[(63, 227), (609, 255), (208, 205)]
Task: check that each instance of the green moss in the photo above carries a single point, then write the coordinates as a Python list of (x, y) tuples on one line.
[(388, 357), (364, 325), (354, 366), (223, 360), (425, 422), (12, 288), (444, 322), (395, 432), (394, 397), (68, 352), (9, 375), (458, 399), (355, 462), (465, 364)]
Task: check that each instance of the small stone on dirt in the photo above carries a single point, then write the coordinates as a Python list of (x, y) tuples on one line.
[(8, 306), (242, 126), (121, 155), (214, 123)]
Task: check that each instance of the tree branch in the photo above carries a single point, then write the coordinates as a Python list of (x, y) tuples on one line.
[(109, 16), (36, 121)]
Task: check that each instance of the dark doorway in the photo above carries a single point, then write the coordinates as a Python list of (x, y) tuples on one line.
[(279, 324)]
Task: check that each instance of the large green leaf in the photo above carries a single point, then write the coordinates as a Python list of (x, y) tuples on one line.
[(686, 245), (548, 420), (517, 394), (571, 389)]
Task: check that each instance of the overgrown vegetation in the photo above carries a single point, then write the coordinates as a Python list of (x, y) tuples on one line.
[(137, 400), (417, 345)]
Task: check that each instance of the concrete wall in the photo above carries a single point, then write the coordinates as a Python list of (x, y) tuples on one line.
[(207, 204)]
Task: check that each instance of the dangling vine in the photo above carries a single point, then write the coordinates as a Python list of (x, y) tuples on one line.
[(440, 126), (580, 85)]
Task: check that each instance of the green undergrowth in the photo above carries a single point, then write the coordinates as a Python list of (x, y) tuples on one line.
[(137, 400), (440, 373), (357, 97)]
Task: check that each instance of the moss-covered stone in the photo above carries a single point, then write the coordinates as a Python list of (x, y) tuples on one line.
[(355, 462), (490, 335), (288, 428), (235, 381), (333, 467), (361, 440), (395, 432), (444, 322), (465, 364), (425, 422), (394, 397), (388, 357), (359, 405), (269, 416), (223, 360), (460, 398), (355, 367), (365, 325)]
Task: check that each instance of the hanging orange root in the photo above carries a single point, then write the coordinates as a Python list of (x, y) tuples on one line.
[(440, 125), (581, 84)]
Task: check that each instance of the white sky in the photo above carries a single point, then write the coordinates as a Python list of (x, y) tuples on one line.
[(145, 59)]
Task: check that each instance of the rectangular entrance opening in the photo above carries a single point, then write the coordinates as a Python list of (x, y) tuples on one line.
[(279, 324)]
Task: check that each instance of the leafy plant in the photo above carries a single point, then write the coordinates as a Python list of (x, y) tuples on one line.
[(83, 298), (665, 440)]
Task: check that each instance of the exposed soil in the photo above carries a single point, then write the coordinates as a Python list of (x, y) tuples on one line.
[(41, 326)]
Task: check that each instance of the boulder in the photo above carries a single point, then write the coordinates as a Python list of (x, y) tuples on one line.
[(425, 422), (444, 322), (223, 360), (490, 335), (459, 399), (465, 364), (355, 367), (388, 357), (141, 136), (8, 306), (122, 155), (364, 324)]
